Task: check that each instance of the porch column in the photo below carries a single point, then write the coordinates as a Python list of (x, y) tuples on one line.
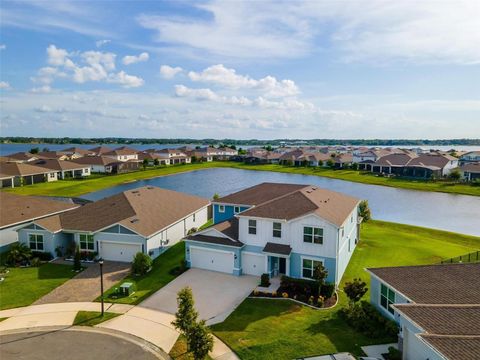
[(12, 182), (266, 265), (287, 265)]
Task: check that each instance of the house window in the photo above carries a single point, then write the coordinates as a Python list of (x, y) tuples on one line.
[(86, 242), (308, 266), (252, 227), (343, 232), (221, 208), (52, 175), (236, 209), (387, 298), (313, 235), (277, 230), (35, 241), (193, 217)]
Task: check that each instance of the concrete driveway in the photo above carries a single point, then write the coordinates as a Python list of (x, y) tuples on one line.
[(86, 285), (216, 294)]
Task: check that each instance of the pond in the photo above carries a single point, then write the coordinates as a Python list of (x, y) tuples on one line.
[(458, 213)]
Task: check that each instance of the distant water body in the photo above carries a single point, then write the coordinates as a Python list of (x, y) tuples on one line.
[(6, 149), (457, 213)]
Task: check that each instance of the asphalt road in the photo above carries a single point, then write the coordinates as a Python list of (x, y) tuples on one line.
[(71, 345)]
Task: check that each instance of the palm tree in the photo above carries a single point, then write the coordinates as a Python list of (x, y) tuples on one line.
[(18, 252)]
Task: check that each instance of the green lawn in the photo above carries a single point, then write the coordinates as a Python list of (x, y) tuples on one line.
[(98, 182), (179, 350), (159, 276), (22, 286), (280, 329), (92, 318)]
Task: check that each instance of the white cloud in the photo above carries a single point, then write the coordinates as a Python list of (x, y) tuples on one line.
[(100, 43), (43, 109), (169, 72), (269, 85), (42, 89), (127, 81), (88, 66), (4, 85), (3, 46), (132, 59), (199, 94), (367, 31)]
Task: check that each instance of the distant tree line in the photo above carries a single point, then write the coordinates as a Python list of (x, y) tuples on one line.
[(234, 142)]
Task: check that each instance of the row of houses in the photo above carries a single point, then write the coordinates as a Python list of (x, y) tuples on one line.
[(387, 161), (25, 168)]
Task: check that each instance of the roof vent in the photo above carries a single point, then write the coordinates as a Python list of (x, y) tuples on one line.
[(133, 221), (135, 192), (150, 187)]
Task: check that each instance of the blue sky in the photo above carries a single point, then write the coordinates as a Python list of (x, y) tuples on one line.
[(303, 69)]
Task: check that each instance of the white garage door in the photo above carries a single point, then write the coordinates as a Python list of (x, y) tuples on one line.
[(118, 251), (211, 260), (253, 264)]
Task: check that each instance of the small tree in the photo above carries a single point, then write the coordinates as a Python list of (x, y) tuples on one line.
[(320, 163), (355, 290), (18, 252), (455, 175), (77, 264), (200, 341), (216, 196), (156, 162), (141, 263), (330, 163), (364, 210), (186, 315), (34, 150), (145, 163), (319, 275), (354, 166)]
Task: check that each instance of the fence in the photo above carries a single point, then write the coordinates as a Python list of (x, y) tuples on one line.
[(466, 258)]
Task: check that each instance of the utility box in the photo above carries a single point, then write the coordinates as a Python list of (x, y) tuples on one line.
[(126, 289)]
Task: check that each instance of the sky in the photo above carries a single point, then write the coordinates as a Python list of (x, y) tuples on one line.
[(244, 70)]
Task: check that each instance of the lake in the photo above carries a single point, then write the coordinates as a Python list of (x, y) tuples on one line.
[(458, 213)]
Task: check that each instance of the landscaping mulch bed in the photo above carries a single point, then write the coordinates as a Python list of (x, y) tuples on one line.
[(327, 303)]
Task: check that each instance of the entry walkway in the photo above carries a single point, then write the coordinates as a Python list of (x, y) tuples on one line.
[(148, 324)]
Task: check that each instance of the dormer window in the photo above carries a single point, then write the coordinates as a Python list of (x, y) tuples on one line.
[(236, 209)]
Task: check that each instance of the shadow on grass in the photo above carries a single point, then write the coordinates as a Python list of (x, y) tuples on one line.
[(55, 271)]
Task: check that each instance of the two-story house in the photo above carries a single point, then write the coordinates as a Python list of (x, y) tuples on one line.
[(278, 229)]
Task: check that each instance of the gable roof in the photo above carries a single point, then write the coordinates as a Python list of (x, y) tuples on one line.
[(15, 209), (434, 284), (455, 347), (77, 150), (94, 160), (259, 194), (329, 205), (99, 150), (60, 165), (144, 210), (472, 167), (21, 156), (395, 159)]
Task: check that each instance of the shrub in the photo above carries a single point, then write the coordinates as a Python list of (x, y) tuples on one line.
[(327, 290), (35, 262), (365, 318), (299, 286), (18, 253), (364, 210), (355, 289), (256, 292), (265, 280), (42, 255), (310, 300), (141, 263), (320, 301), (274, 294), (77, 265), (393, 354), (192, 231), (285, 295)]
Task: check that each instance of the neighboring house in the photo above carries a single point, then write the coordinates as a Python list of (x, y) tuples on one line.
[(147, 219), (314, 159), (122, 154), (7, 181), (470, 172), (437, 308), (205, 154), (470, 157), (64, 169), (18, 210), (342, 160), (76, 152), (278, 229), (58, 155), (26, 174), (175, 156), (21, 157), (151, 156), (428, 164), (120, 167), (390, 164), (100, 150), (97, 164), (292, 157)]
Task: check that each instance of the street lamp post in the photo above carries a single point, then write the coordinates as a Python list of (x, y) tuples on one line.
[(101, 283)]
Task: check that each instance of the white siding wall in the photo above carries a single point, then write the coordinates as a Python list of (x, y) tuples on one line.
[(292, 234), (347, 242)]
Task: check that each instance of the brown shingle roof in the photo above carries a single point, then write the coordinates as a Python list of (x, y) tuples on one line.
[(228, 228), (16, 209), (444, 319), (473, 167), (434, 284), (94, 160), (21, 156), (280, 249), (145, 210), (397, 159), (22, 169), (59, 165), (455, 347), (99, 150), (259, 194), (329, 205), (215, 240)]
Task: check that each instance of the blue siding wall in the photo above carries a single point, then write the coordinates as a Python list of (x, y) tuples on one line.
[(218, 216), (296, 265), (375, 299)]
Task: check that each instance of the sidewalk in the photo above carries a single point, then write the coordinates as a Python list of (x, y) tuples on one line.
[(150, 325)]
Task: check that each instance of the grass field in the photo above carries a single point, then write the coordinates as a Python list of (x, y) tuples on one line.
[(22, 286), (99, 182), (279, 329), (92, 318), (159, 276)]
